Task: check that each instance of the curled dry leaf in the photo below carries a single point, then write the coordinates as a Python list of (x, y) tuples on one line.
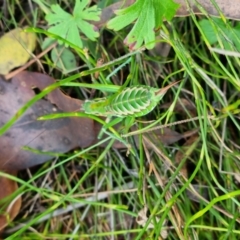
[(7, 214), (16, 47), (55, 136)]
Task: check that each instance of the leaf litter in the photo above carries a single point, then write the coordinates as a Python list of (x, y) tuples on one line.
[(54, 136), (16, 47)]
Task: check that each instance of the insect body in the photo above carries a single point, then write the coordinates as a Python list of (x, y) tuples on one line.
[(132, 101)]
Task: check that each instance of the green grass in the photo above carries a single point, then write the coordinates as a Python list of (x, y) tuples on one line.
[(192, 188)]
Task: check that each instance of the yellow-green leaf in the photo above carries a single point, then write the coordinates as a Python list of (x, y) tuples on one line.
[(16, 47)]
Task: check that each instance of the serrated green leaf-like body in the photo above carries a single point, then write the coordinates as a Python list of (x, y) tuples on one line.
[(133, 101)]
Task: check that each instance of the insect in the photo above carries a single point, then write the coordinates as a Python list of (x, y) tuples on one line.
[(135, 101), (131, 102)]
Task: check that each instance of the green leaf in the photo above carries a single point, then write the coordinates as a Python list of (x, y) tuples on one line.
[(230, 36), (68, 26), (149, 16), (164, 10), (64, 59)]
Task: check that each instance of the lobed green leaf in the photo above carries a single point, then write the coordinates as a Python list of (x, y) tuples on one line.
[(125, 16), (229, 36), (68, 26), (149, 16), (58, 15), (92, 13)]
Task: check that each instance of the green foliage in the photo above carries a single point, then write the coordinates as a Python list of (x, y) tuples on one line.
[(68, 26), (64, 59), (228, 35), (149, 16), (61, 56)]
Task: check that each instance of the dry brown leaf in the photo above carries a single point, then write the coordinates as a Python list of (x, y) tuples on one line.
[(230, 9), (182, 106), (7, 214), (57, 135)]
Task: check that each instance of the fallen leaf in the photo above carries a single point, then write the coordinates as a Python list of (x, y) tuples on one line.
[(165, 136), (7, 214), (182, 106), (55, 136), (230, 9), (16, 47)]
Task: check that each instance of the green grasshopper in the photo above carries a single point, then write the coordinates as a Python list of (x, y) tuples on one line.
[(130, 102), (125, 104)]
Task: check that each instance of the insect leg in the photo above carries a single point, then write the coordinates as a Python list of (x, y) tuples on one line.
[(103, 128), (115, 135), (128, 122), (108, 124)]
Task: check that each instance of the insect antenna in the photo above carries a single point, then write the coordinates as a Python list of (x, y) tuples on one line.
[(163, 90)]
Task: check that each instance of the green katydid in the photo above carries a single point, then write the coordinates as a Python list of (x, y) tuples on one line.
[(125, 103), (128, 103)]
